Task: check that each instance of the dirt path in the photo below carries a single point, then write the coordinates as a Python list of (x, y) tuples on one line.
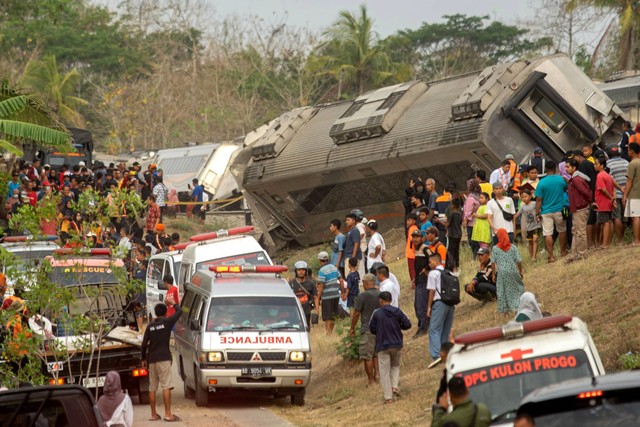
[(236, 410)]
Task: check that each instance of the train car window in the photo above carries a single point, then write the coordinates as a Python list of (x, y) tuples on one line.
[(550, 114), (353, 109)]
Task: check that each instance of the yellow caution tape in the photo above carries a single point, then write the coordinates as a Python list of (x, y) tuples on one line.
[(211, 202)]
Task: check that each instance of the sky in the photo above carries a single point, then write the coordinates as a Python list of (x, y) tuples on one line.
[(389, 15)]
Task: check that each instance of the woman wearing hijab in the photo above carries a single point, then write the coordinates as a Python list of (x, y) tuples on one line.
[(507, 264), (114, 404), (471, 205), (528, 308)]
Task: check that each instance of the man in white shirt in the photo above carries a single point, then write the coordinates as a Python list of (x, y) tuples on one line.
[(441, 314), (495, 214), (376, 243), (501, 174), (389, 285)]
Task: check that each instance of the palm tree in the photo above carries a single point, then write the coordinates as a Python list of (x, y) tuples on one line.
[(23, 118), (57, 89), (354, 55), (628, 12)]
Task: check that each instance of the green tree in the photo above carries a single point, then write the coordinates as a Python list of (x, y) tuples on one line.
[(57, 89), (628, 39), (23, 118), (354, 57), (467, 43)]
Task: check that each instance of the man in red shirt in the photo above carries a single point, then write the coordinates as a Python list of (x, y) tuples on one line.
[(605, 200), (172, 290)]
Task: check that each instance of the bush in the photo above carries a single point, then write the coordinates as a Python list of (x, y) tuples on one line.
[(348, 346), (630, 360)]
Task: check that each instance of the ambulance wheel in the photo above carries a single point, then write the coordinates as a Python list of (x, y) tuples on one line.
[(143, 397), (202, 394), (297, 398)]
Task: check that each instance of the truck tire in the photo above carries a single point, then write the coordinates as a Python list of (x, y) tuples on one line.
[(202, 394), (189, 393), (143, 397), (297, 398)]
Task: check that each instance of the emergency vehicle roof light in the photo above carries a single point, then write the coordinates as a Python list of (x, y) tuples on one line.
[(222, 233), (182, 246), (512, 330), (12, 239), (248, 268), (83, 251), (590, 394)]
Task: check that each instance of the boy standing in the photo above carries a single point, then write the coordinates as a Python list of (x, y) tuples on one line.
[(337, 247), (529, 224), (353, 282), (454, 231), (172, 290), (409, 249)]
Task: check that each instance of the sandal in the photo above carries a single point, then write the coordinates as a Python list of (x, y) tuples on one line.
[(175, 419), (156, 418)]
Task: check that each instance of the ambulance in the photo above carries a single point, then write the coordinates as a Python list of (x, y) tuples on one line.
[(502, 365), (223, 247), (242, 328)]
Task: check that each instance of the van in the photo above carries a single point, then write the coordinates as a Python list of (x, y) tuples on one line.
[(223, 247), (502, 365), (242, 328), (160, 265)]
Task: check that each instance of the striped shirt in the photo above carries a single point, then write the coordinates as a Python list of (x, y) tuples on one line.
[(329, 276), (618, 171)]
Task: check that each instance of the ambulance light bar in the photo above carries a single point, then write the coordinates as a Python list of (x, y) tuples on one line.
[(182, 246), (590, 394), (248, 268), (513, 329), (83, 251), (13, 239), (222, 233)]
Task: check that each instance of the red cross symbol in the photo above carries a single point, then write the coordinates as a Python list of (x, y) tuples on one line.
[(516, 354)]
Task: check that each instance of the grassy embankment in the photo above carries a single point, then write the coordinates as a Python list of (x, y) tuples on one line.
[(601, 290)]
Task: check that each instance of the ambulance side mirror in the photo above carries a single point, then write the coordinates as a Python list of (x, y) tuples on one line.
[(193, 324)]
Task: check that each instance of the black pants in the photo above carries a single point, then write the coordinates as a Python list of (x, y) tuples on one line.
[(420, 305), (484, 291), (454, 250)]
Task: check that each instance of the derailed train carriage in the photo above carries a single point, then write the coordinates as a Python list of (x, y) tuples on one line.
[(314, 164)]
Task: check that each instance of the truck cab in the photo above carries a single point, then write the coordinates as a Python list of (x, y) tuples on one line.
[(160, 265), (20, 254), (242, 328), (502, 365)]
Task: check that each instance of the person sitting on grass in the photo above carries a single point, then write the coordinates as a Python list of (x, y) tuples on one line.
[(483, 287), (529, 309)]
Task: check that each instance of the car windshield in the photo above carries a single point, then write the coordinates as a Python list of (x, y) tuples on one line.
[(254, 313), (254, 258), (84, 274), (618, 408), (502, 387), (25, 260)]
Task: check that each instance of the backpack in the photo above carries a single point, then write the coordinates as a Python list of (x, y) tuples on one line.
[(449, 263), (449, 288)]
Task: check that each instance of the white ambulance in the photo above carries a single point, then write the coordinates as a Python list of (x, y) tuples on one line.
[(223, 247), (242, 328), (502, 365), (21, 254)]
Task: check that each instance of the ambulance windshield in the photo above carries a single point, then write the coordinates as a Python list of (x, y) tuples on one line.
[(253, 258), (502, 387), (254, 313)]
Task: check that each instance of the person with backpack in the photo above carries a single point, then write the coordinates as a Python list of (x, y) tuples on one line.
[(304, 289), (440, 306), (387, 324), (465, 413), (434, 245), (506, 260)]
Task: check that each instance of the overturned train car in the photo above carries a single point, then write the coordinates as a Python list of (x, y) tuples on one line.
[(314, 164)]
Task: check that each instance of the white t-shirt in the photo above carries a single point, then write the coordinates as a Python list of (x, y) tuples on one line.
[(433, 282), (497, 217), (390, 286), (374, 241), (363, 236)]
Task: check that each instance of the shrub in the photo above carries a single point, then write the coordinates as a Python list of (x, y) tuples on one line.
[(630, 360), (347, 346)]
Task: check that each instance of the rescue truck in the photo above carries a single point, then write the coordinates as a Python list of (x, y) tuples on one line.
[(501, 365), (242, 328), (94, 280)]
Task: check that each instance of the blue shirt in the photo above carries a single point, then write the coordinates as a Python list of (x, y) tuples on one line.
[(328, 275), (353, 237), (336, 247), (551, 189), (423, 227), (197, 193), (12, 186)]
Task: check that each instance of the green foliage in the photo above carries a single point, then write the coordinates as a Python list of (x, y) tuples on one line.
[(347, 347), (630, 360)]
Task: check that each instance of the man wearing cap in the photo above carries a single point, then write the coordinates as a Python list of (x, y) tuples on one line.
[(465, 413), (495, 208), (482, 287), (538, 161), (330, 288), (618, 171), (387, 324), (364, 306), (501, 175)]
